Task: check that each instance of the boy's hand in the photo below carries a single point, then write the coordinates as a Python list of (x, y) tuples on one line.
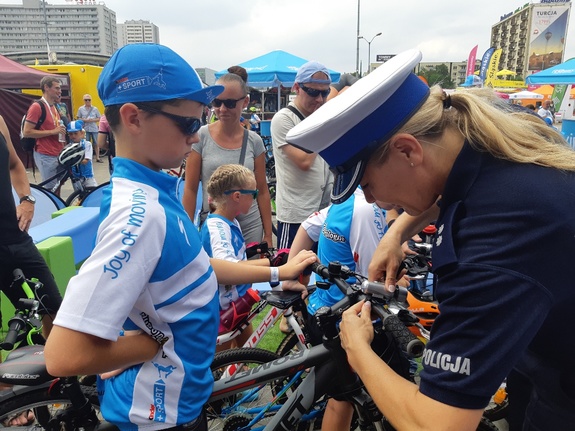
[(292, 269)]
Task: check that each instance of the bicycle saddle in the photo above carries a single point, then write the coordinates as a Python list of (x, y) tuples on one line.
[(25, 366), (281, 299)]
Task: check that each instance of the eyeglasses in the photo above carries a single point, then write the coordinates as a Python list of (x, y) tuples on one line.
[(188, 125), (312, 92), (254, 193), (87, 100), (228, 103)]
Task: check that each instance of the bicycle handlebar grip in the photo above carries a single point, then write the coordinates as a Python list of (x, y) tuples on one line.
[(16, 324), (408, 342), (18, 274), (320, 270)]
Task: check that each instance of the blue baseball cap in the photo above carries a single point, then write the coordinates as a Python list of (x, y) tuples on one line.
[(75, 126), (307, 70), (347, 130), (147, 72)]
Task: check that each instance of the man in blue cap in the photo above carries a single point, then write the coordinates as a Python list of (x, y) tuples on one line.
[(303, 179)]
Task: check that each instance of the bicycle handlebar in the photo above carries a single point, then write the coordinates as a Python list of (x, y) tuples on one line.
[(380, 297), (19, 278)]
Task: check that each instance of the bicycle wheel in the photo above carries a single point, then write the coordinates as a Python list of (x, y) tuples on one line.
[(237, 411), (287, 345), (49, 409), (77, 196)]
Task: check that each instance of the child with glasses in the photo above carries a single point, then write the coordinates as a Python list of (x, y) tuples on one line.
[(143, 311), (232, 189)]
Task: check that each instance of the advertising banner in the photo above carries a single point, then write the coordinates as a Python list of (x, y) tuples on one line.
[(471, 61), (485, 63), (548, 33), (493, 66)]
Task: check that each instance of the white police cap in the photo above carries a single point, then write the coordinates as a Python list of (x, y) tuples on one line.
[(349, 128)]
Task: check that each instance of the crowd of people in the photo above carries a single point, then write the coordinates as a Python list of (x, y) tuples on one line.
[(356, 178)]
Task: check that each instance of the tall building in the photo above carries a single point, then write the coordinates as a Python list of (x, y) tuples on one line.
[(36, 26), (532, 37), (137, 31)]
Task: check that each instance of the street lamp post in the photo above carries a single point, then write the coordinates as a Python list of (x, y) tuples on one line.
[(369, 49)]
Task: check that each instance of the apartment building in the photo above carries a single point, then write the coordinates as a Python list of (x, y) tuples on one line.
[(36, 26), (137, 31), (532, 37)]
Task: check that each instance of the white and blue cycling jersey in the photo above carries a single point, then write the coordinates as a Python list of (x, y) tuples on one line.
[(223, 239), (349, 233), (148, 271), (85, 170)]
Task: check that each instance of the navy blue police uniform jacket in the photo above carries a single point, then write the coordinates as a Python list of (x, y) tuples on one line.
[(504, 258)]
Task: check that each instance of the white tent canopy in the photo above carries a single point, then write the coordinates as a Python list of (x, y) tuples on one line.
[(525, 95)]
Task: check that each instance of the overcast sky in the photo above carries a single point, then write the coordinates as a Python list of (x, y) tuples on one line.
[(220, 33)]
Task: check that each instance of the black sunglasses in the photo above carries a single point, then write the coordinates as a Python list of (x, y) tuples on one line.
[(228, 103), (188, 125), (87, 100), (312, 92), (254, 193)]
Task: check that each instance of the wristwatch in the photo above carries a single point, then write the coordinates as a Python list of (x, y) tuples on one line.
[(28, 198)]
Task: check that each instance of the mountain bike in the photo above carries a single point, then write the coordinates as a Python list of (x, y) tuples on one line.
[(288, 393), (56, 403)]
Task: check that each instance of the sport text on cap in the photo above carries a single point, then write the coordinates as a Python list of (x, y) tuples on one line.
[(147, 72), (307, 70), (348, 129)]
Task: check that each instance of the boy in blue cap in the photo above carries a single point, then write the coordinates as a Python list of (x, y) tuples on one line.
[(145, 303), (83, 171)]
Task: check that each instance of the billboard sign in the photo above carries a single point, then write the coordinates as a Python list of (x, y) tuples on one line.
[(548, 33), (382, 58)]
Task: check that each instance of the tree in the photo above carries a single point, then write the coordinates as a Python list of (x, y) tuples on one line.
[(438, 75)]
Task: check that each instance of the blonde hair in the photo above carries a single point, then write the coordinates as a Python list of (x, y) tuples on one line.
[(227, 177), (489, 124)]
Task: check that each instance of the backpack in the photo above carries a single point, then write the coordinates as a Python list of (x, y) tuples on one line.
[(28, 144)]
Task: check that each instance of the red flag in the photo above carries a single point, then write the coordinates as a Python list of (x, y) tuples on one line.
[(471, 61)]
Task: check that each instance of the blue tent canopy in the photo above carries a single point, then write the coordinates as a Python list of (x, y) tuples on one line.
[(274, 69), (563, 73)]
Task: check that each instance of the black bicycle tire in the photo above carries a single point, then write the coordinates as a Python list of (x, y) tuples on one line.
[(71, 200), (41, 397), (224, 359), (287, 344), (251, 355)]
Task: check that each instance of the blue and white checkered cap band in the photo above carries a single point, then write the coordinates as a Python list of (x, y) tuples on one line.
[(346, 130)]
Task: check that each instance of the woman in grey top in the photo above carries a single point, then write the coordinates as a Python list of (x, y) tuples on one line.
[(221, 143)]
